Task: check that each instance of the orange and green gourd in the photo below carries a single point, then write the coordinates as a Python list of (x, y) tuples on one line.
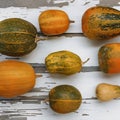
[(64, 99), (101, 23), (109, 58)]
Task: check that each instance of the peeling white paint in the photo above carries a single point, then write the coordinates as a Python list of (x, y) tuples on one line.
[(32, 105)]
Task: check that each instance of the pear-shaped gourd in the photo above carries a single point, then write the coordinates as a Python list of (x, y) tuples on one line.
[(106, 92)]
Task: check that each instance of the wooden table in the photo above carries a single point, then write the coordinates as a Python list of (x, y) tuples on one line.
[(32, 105)]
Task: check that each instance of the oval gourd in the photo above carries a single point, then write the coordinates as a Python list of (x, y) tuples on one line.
[(17, 37), (101, 23), (53, 22), (16, 78), (64, 62), (106, 92), (109, 58), (64, 99)]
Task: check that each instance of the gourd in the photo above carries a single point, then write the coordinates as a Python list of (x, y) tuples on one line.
[(109, 58), (16, 78), (17, 37), (107, 92), (53, 22), (63, 62), (64, 99), (101, 23)]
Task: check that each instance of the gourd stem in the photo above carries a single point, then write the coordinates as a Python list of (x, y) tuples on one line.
[(37, 39), (72, 21), (86, 61), (46, 100), (38, 75)]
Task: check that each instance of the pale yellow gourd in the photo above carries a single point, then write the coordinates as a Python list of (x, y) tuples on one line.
[(106, 92)]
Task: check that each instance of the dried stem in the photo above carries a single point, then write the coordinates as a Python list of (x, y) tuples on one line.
[(86, 61), (37, 39), (72, 21), (38, 75)]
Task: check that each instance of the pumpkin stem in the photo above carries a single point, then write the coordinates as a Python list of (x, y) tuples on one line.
[(37, 39), (86, 61), (38, 75), (72, 21)]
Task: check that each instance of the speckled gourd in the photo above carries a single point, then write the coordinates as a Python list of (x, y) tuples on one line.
[(64, 99), (17, 37), (63, 62), (101, 23)]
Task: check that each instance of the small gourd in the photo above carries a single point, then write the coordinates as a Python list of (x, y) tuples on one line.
[(107, 92), (109, 58), (53, 22), (63, 62), (101, 23), (16, 78), (17, 37), (64, 99)]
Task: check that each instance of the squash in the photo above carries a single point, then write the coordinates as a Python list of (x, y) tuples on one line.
[(63, 62), (109, 58), (101, 23), (16, 78), (64, 99), (53, 22), (17, 37), (107, 92)]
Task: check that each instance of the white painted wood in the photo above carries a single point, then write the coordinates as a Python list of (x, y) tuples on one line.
[(32, 105)]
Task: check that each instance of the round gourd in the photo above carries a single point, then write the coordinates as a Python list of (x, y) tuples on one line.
[(16, 78), (64, 62), (101, 23), (64, 99), (53, 22), (109, 58), (17, 37)]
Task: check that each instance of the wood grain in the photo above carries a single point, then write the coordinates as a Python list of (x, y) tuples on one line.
[(33, 105)]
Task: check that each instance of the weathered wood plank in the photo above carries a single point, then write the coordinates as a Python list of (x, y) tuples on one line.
[(52, 3), (35, 4), (32, 105)]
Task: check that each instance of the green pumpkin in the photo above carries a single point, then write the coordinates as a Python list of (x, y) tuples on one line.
[(17, 37), (64, 99)]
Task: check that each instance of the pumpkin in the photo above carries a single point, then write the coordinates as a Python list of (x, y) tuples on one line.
[(53, 22), (109, 58), (101, 23), (17, 37), (64, 99), (16, 78), (63, 62)]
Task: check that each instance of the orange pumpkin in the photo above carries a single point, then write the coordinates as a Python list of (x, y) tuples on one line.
[(53, 22), (16, 78)]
